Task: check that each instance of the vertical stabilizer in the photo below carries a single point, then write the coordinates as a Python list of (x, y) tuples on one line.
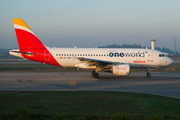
[(30, 47), (25, 36)]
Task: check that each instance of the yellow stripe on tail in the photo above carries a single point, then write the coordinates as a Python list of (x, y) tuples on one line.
[(19, 21)]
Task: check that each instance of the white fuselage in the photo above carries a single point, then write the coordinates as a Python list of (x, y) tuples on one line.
[(140, 58)]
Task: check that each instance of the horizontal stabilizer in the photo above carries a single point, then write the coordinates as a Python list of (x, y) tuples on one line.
[(26, 53)]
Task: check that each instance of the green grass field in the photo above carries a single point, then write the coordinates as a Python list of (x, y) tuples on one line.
[(94, 105), (175, 67)]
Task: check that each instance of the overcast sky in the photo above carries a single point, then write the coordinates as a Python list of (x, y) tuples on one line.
[(92, 23)]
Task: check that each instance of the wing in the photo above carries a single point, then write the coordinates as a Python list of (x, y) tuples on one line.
[(96, 62)]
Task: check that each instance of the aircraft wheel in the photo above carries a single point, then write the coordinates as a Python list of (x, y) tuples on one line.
[(93, 72), (148, 75), (96, 75)]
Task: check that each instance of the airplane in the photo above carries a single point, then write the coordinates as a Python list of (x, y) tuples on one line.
[(117, 61)]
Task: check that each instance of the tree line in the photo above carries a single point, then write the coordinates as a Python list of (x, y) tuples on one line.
[(163, 49)]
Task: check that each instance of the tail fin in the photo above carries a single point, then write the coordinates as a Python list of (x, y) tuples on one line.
[(25, 36), (30, 47)]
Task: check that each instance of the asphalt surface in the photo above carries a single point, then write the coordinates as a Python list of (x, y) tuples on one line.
[(165, 83)]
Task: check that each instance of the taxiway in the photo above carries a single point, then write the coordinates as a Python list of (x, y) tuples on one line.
[(165, 83)]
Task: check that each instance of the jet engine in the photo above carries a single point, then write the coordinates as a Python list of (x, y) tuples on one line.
[(120, 70)]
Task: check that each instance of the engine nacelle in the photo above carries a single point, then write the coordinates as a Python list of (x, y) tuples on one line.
[(121, 70)]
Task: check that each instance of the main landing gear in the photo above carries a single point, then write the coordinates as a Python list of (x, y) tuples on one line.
[(95, 74), (148, 74)]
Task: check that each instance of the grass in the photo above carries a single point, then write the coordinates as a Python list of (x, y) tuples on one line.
[(88, 104), (175, 67)]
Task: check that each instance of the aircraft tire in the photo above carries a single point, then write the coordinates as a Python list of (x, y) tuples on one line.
[(93, 72), (96, 75), (148, 75)]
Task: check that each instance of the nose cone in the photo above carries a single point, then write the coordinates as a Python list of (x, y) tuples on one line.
[(169, 61)]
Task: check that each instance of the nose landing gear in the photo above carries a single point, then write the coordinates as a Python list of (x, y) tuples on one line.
[(148, 74)]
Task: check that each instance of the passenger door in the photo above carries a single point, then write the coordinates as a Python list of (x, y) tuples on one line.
[(150, 56)]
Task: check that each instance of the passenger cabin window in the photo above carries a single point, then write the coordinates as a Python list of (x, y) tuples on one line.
[(56, 54), (64, 54)]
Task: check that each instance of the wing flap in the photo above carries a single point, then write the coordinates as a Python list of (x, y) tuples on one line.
[(95, 62)]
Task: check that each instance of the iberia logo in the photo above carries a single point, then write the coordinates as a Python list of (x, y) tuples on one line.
[(139, 62), (123, 68)]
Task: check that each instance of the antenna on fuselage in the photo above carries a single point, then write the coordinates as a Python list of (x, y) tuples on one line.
[(74, 46)]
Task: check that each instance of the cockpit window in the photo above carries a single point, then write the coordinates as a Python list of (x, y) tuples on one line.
[(162, 55)]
